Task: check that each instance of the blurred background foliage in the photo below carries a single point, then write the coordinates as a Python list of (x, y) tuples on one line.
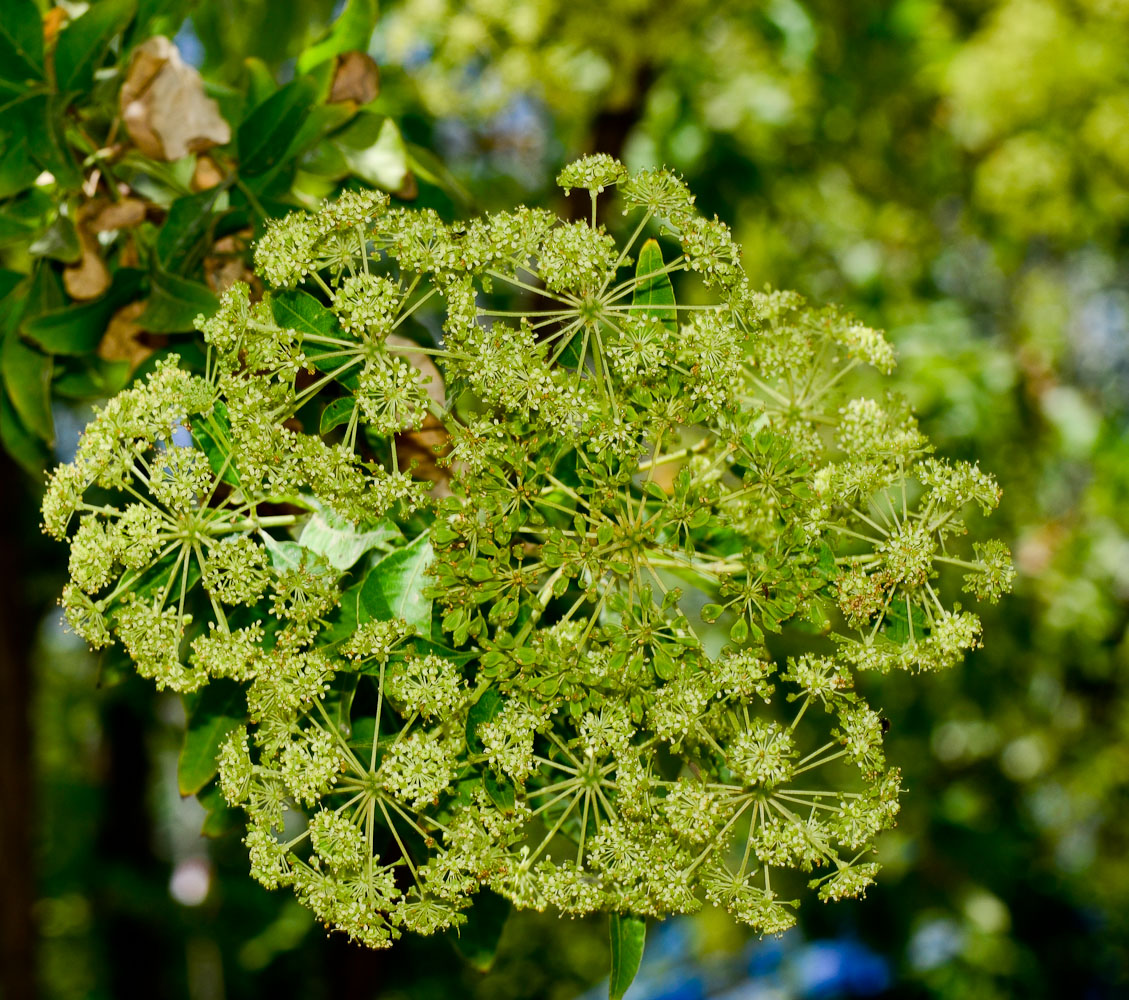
[(955, 171)]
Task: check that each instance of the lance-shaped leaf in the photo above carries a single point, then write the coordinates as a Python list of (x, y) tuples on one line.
[(654, 289), (628, 935)]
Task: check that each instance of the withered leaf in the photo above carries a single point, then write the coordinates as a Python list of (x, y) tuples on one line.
[(164, 106), (423, 446), (124, 340), (206, 175), (90, 277), (124, 214), (355, 78)]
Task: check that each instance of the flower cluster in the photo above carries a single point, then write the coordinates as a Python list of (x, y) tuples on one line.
[(539, 660)]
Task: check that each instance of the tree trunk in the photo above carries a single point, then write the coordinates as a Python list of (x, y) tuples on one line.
[(18, 620)]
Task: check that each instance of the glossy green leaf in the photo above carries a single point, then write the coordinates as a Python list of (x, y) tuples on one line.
[(10, 281), (341, 543), (488, 705), (260, 81), (336, 413), (219, 818), (27, 377), (59, 241), (41, 118), (19, 442), (83, 43), (212, 434), (338, 702), (92, 378), (18, 170), (477, 939), (218, 709), (187, 230), (394, 587), (284, 555), (175, 302), (264, 139), (78, 329), (352, 30), (42, 293), (21, 41), (298, 310), (628, 936), (655, 292), (374, 150)]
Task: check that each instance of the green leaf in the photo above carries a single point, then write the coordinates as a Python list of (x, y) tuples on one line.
[(656, 292), (78, 329), (260, 81), (628, 934), (212, 435), (489, 704), (341, 542), (394, 587), (17, 169), (265, 137), (284, 555), (352, 30), (216, 711), (21, 41), (501, 792), (187, 229), (94, 378), (339, 412), (338, 702), (341, 622), (9, 281), (175, 302), (59, 241), (477, 940), (18, 441), (220, 819), (374, 150), (43, 294), (41, 117), (27, 377), (300, 311), (84, 42)]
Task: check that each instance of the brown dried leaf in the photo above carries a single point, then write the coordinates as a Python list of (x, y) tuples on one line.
[(409, 189), (355, 78), (164, 106), (206, 175), (124, 214), (89, 278), (227, 263), (124, 340), (424, 446)]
